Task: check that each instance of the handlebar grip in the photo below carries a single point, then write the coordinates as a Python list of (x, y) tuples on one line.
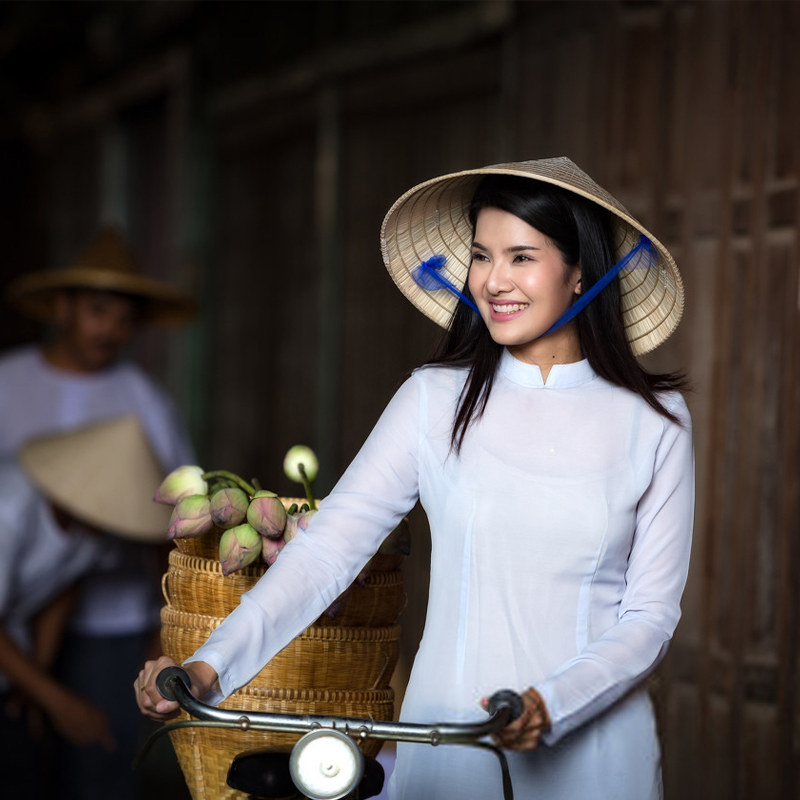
[(508, 698), (165, 680)]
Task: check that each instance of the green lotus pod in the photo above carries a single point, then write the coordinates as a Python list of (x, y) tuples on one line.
[(228, 507), (181, 482), (297, 455), (238, 547), (190, 517), (267, 514)]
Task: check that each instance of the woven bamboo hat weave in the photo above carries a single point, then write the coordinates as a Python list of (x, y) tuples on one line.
[(107, 265), (432, 219), (103, 474)]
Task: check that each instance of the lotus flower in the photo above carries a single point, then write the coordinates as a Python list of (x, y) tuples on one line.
[(298, 456), (295, 523), (239, 547), (267, 514), (228, 507), (180, 483), (190, 517), (270, 549)]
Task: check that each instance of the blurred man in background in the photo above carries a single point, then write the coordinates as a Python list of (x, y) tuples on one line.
[(77, 377), (51, 504)]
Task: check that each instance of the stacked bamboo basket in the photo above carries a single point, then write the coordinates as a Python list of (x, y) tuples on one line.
[(336, 666)]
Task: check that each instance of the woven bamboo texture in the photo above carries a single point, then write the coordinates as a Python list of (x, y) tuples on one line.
[(205, 754), (197, 584), (322, 657)]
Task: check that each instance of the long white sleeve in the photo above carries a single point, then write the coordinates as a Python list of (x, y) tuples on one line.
[(621, 657), (368, 502)]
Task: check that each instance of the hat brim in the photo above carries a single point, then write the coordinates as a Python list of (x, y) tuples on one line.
[(82, 472), (432, 219), (35, 294)]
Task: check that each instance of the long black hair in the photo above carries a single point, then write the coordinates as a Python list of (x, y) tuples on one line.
[(582, 231)]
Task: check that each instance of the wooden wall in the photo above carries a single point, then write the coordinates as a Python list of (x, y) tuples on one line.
[(689, 112)]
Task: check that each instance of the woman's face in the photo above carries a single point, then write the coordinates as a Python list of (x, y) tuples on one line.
[(521, 285)]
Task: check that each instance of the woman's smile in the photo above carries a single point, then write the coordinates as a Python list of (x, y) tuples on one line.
[(504, 311)]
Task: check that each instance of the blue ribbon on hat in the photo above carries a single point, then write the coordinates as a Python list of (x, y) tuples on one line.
[(649, 253), (428, 276)]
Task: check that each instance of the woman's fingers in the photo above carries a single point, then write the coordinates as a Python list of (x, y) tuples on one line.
[(525, 732), (148, 698)]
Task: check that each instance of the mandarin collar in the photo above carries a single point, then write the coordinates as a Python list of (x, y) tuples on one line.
[(561, 376)]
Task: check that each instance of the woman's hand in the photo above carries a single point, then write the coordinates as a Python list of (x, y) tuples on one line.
[(526, 730), (201, 676)]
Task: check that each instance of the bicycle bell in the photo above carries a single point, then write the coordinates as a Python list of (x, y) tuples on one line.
[(326, 764)]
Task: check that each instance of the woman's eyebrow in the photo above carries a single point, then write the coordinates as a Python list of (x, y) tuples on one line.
[(516, 249)]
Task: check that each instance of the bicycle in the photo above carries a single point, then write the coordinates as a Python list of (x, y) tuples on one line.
[(326, 763)]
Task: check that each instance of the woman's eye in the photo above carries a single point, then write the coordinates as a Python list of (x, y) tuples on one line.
[(521, 259), (479, 257)]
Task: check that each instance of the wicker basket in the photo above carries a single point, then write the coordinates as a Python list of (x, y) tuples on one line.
[(322, 657), (205, 754), (197, 584), (340, 667)]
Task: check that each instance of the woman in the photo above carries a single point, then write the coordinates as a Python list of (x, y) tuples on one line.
[(556, 474)]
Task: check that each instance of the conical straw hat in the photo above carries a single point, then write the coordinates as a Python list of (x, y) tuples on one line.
[(104, 474), (432, 219), (106, 264)]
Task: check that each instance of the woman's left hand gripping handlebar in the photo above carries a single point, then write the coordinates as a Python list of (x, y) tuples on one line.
[(525, 732), (202, 676)]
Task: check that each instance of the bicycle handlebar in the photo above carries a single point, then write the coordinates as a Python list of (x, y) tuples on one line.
[(504, 707)]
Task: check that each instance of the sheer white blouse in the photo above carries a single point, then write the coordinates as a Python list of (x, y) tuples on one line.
[(561, 536)]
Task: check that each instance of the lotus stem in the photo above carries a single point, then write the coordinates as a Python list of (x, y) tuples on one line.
[(301, 468), (240, 482)]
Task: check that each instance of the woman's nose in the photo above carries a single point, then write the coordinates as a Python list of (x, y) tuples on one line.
[(498, 280)]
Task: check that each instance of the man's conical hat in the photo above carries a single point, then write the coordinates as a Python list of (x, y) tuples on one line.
[(107, 265)]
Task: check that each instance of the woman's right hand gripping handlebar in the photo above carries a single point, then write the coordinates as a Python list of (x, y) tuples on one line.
[(202, 676)]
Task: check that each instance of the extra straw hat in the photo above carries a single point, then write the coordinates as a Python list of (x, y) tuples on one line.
[(106, 264), (104, 474), (432, 219)]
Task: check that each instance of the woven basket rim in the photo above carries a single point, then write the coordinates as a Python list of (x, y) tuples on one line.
[(202, 622), (211, 566), (316, 695)]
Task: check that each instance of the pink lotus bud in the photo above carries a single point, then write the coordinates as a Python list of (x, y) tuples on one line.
[(270, 549), (238, 547), (180, 483), (297, 455), (267, 514), (295, 523), (228, 507), (191, 517)]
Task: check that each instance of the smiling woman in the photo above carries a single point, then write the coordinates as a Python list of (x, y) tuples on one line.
[(556, 475)]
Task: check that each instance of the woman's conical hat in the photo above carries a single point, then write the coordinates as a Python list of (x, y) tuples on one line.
[(432, 219), (107, 265), (103, 474)]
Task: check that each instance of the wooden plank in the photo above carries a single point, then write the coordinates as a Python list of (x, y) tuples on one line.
[(711, 23)]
